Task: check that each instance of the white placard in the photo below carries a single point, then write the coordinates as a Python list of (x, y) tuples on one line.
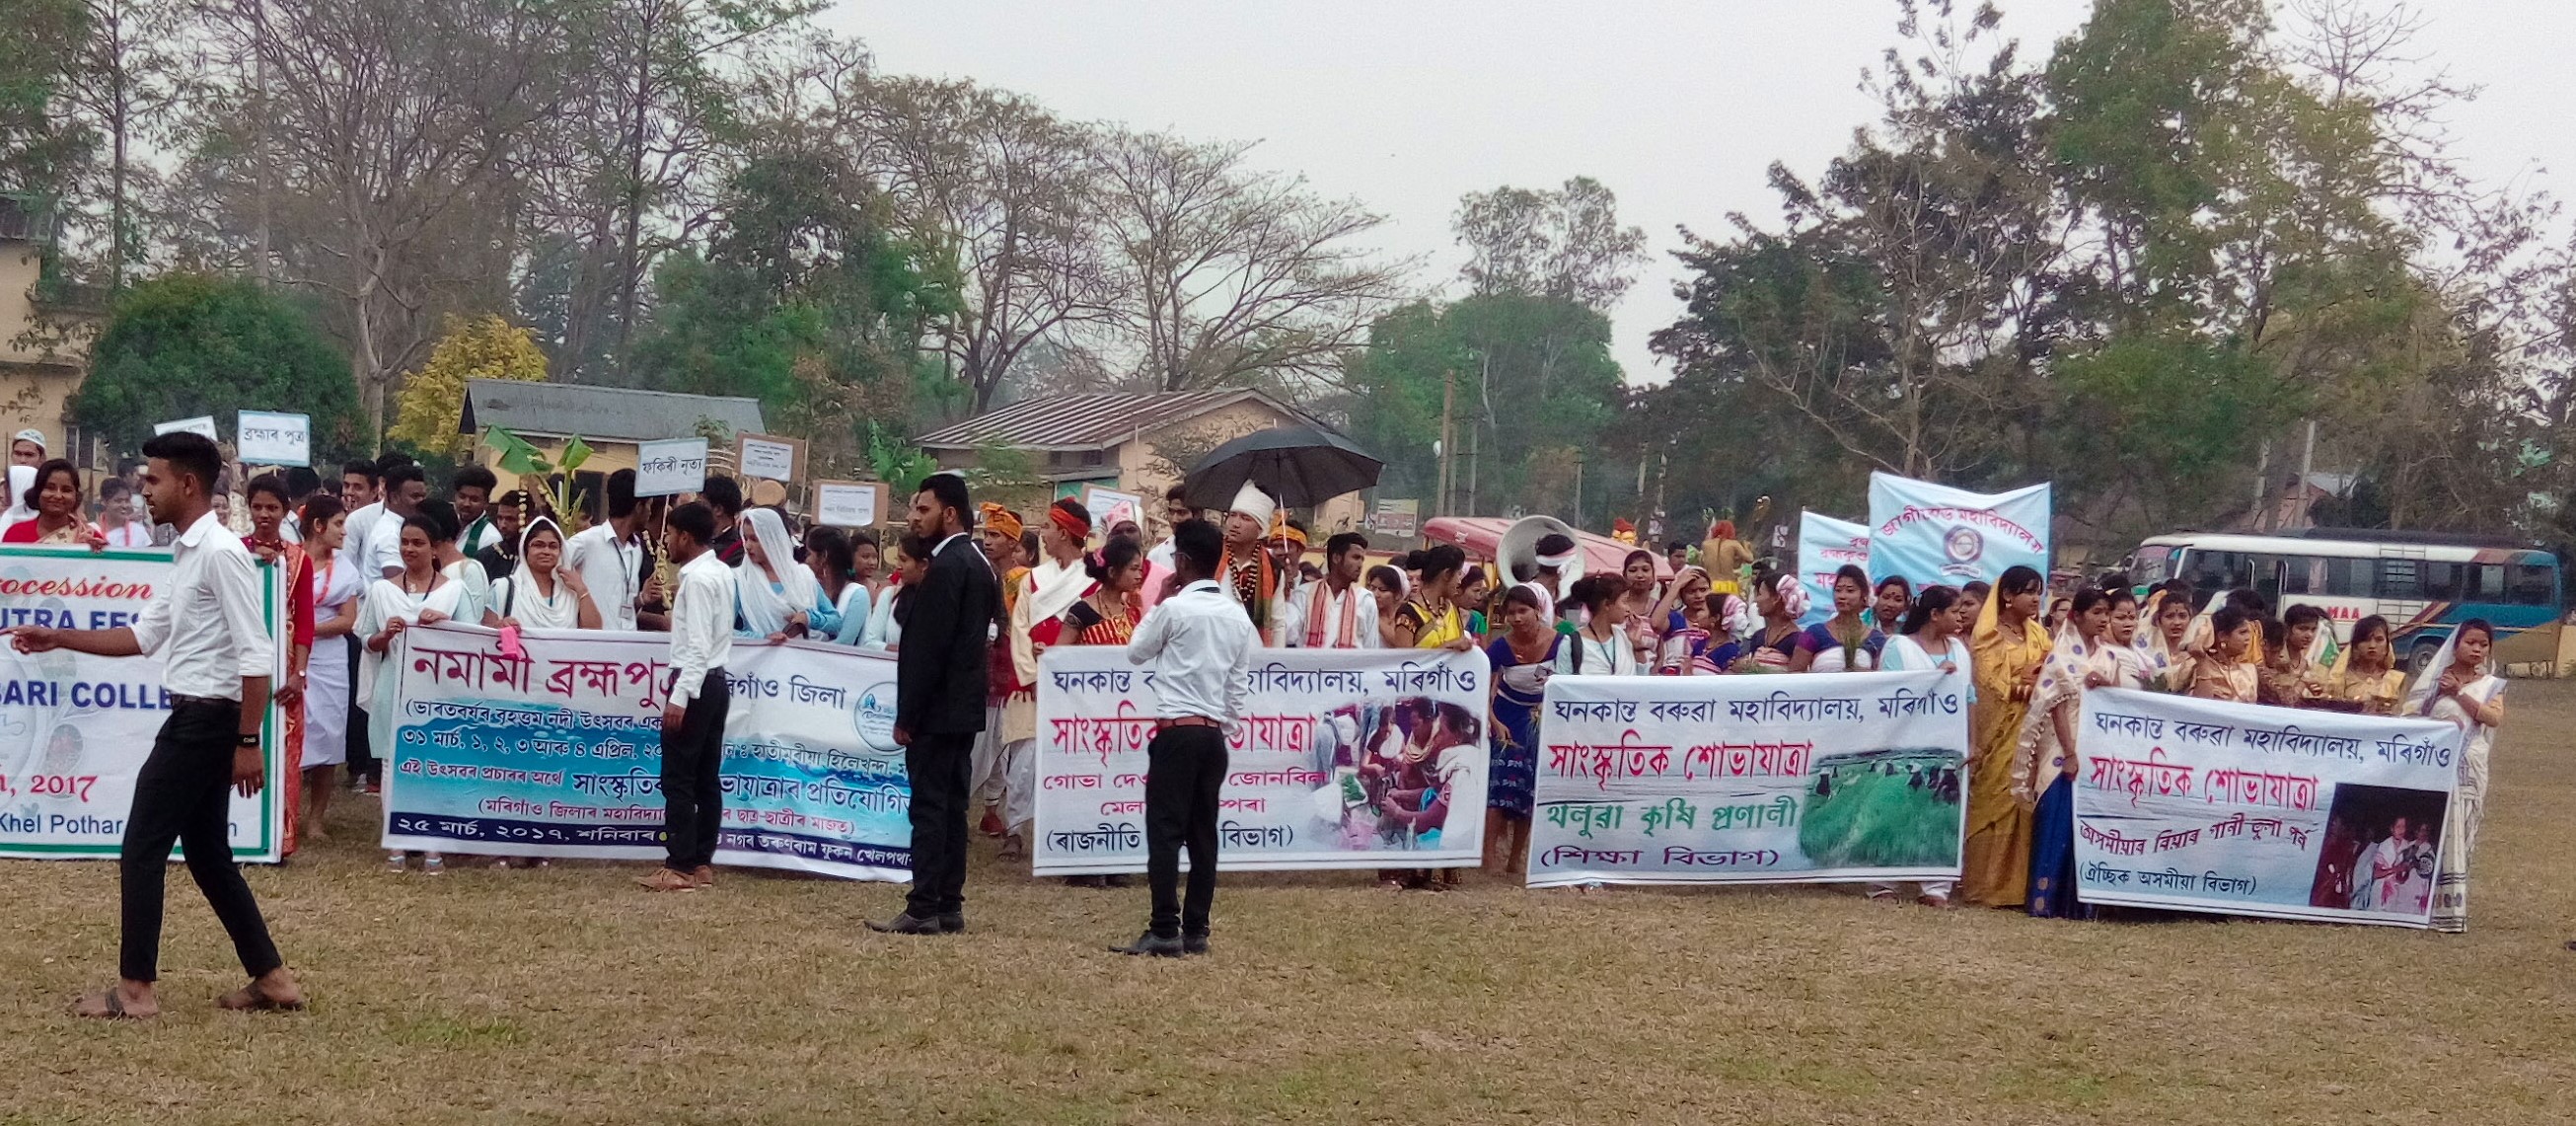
[(268, 438), (671, 467), (771, 459), (848, 504), (202, 424)]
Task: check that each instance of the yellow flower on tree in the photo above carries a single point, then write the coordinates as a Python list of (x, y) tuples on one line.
[(433, 398)]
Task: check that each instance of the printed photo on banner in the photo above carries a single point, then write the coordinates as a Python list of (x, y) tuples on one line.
[(1345, 759), (75, 729), (557, 752), (1935, 535), (2243, 809), (1804, 778)]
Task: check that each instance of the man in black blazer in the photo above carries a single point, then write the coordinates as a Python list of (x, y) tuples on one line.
[(939, 703)]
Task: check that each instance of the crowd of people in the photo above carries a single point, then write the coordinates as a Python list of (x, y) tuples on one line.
[(968, 599)]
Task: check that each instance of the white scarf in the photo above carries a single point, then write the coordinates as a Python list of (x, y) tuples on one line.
[(1054, 588), (766, 603)]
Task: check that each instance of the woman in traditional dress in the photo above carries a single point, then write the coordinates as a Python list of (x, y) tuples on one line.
[(1431, 618), (1781, 600), (1523, 657), (267, 542), (2009, 647), (542, 593), (1934, 636), (832, 557), (2097, 650), (2366, 678), (474, 584), (1845, 642), (1696, 640), (1636, 604), (2461, 688), (2222, 671), (773, 598), (56, 499), (1475, 598), (335, 588), (885, 619), (2168, 620), (1108, 611), (1387, 586), (1887, 610), (1602, 647), (422, 594)]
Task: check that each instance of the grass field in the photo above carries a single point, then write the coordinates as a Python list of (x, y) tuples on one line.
[(567, 996)]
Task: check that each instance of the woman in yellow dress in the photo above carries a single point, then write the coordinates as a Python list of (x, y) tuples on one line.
[(2366, 676), (2009, 649)]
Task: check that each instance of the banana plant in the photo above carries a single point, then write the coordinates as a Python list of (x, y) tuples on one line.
[(554, 476)]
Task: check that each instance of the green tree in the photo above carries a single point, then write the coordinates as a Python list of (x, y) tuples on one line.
[(433, 399), (191, 344)]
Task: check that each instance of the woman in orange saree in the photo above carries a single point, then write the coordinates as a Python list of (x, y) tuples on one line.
[(2010, 647)]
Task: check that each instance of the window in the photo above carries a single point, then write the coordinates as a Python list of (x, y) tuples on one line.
[(2212, 571), (2401, 579), (2490, 578), (1094, 457), (2304, 574), (2532, 584)]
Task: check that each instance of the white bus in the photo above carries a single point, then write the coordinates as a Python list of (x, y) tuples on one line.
[(2422, 583)]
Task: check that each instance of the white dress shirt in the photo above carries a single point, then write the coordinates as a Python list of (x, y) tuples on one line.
[(701, 625), (1199, 645), (208, 616), (128, 535), (355, 532), (610, 567), (384, 545)]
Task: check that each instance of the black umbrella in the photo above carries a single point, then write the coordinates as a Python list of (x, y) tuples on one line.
[(1300, 466)]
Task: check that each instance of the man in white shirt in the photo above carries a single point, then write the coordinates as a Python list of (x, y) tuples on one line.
[(693, 714), (1198, 646), (405, 488), (26, 451), (116, 519), (358, 481), (609, 558), (1338, 612), (1158, 561), (217, 660)]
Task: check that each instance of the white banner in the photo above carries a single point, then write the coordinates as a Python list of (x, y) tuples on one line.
[(849, 504), (1806, 778), (1345, 758), (75, 729), (770, 459), (2242, 809), (1935, 535), (558, 752), (202, 424), (669, 468), (1827, 545), (268, 438)]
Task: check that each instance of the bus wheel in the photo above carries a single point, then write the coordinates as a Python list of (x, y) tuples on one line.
[(2420, 658)]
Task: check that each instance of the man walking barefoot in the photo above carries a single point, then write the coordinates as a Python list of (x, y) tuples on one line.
[(1199, 645), (939, 703), (219, 655)]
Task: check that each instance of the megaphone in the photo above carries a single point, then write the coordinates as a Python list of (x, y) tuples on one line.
[(1518, 551)]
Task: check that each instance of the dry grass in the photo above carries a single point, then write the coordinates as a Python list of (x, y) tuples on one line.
[(566, 996)]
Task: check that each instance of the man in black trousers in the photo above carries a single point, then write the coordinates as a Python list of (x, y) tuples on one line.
[(939, 703)]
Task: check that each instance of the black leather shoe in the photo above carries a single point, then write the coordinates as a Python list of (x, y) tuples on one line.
[(1151, 943), (953, 922), (908, 924), (1194, 944)]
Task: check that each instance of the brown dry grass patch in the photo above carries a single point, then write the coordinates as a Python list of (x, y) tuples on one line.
[(567, 996)]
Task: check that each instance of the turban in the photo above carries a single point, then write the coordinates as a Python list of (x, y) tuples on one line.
[(1000, 519), (1252, 502), (1280, 529)]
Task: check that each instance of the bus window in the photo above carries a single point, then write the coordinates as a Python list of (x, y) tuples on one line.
[(2401, 580), (2443, 582), (2266, 577), (2213, 571), (2349, 578), (2533, 584), (2490, 582), (2306, 575)]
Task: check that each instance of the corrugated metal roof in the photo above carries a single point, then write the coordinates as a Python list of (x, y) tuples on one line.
[(617, 414), (1089, 421)]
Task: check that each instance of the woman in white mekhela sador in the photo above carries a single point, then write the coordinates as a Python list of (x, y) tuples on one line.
[(336, 591), (775, 597), (420, 595), (2461, 688), (2095, 649)]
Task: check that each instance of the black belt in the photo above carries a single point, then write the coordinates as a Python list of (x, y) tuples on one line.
[(178, 700)]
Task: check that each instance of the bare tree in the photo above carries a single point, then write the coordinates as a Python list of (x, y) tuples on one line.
[(126, 85), (1565, 243), (1231, 275)]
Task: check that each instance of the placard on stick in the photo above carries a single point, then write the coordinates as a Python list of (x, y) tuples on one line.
[(771, 458), (273, 438), (670, 467), (849, 504), (202, 424)]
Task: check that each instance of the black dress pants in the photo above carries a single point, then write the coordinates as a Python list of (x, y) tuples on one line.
[(182, 796), (692, 776), (942, 769), (1185, 768)]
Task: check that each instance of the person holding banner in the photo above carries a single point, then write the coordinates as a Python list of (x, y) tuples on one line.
[(2009, 648), (694, 704), (774, 598), (116, 517), (1845, 642), (2461, 689), (56, 501), (2096, 650), (421, 595), (1933, 637), (830, 555), (1523, 658), (1198, 646), (1052, 589), (940, 681), (207, 622), (541, 593)]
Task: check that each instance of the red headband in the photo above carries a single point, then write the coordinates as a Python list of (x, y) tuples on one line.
[(1069, 524)]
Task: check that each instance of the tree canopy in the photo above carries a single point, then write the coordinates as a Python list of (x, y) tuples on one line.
[(183, 345)]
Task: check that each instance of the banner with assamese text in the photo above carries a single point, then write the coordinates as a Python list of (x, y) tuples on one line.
[(557, 752), (2243, 809), (1343, 758), (1827, 545), (1935, 535), (1780, 778), (75, 729)]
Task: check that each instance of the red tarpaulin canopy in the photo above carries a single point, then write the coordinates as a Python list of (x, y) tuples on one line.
[(1480, 535)]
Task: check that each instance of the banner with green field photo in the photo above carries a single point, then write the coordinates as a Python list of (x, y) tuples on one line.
[(1806, 778)]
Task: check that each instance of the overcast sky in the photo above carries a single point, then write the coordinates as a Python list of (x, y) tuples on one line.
[(1677, 105)]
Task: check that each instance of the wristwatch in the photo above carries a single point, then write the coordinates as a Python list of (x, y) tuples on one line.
[(250, 740)]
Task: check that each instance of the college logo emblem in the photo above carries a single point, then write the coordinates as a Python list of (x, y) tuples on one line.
[(1963, 544), (874, 718)]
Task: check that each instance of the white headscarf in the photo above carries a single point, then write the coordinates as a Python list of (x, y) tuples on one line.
[(2419, 695), (523, 603), (765, 607)]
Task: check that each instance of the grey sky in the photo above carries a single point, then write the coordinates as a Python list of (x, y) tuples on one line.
[(1677, 105)]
